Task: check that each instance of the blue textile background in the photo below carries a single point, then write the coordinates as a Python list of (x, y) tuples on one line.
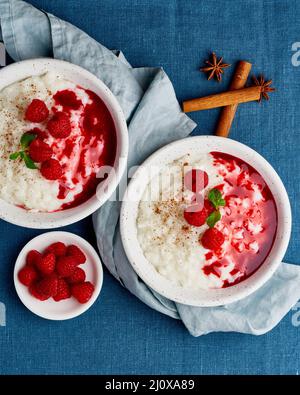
[(120, 334)]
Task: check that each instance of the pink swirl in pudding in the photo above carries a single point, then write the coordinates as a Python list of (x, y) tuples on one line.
[(89, 147), (249, 219)]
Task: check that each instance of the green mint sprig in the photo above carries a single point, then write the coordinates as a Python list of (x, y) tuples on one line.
[(216, 199), (213, 218), (25, 141)]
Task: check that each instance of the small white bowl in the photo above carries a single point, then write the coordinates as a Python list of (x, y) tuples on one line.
[(68, 308), (129, 210), (21, 70)]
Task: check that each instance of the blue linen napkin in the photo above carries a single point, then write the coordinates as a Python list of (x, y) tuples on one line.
[(154, 119)]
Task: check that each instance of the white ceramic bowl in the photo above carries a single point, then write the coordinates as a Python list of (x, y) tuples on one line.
[(212, 297), (68, 308), (21, 70)]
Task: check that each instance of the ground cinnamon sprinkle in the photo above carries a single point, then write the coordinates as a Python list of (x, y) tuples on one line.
[(157, 210), (170, 212)]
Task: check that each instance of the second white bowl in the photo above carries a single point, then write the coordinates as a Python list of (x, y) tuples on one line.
[(147, 272)]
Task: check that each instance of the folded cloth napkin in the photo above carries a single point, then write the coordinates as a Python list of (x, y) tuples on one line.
[(154, 119)]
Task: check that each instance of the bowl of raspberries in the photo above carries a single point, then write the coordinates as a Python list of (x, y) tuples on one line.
[(58, 275)]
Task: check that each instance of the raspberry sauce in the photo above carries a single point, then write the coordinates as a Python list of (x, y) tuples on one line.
[(67, 99), (91, 144), (249, 219)]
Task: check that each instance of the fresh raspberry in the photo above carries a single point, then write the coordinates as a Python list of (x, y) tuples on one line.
[(195, 216), (48, 286), (76, 253), (59, 125), (35, 292), (195, 180), (212, 239), (209, 207), (83, 292), (27, 275), (33, 257), (37, 111), (39, 151), (66, 266), (63, 290), (40, 134), (77, 277), (51, 170), (58, 249), (47, 264)]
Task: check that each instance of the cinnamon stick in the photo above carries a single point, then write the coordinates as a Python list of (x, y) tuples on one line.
[(227, 114), (223, 99)]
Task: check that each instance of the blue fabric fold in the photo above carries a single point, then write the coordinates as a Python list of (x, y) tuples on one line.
[(154, 117)]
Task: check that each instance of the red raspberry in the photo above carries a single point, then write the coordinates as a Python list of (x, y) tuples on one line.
[(40, 134), (76, 253), (77, 277), (212, 239), (195, 218), (39, 151), (35, 292), (47, 264), (37, 111), (83, 292), (195, 180), (63, 290), (27, 275), (33, 257), (209, 207), (66, 266), (48, 286), (58, 249), (59, 125), (51, 170)]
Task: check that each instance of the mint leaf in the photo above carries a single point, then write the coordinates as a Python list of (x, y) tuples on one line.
[(222, 202), (28, 162), (215, 197), (26, 139), (213, 218), (14, 156)]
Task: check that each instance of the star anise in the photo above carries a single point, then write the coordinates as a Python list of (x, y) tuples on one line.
[(215, 67), (265, 87)]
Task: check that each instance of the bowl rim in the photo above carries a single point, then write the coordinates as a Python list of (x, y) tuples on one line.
[(11, 213), (57, 236), (214, 297)]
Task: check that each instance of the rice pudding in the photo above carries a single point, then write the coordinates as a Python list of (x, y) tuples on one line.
[(54, 138), (207, 222)]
